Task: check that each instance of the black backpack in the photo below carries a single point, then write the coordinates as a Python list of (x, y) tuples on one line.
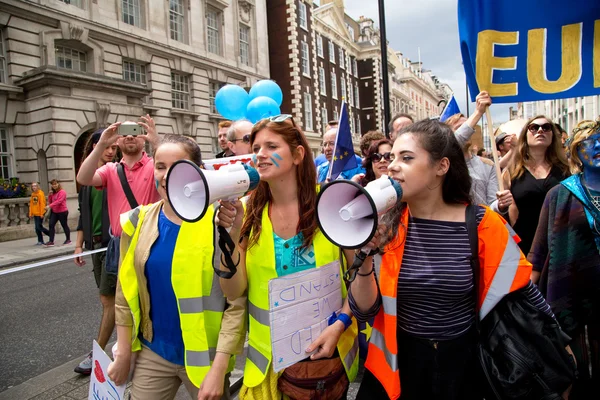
[(521, 349)]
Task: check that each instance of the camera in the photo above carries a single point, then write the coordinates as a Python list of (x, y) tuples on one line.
[(128, 128)]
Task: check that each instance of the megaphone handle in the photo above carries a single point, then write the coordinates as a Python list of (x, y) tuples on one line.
[(359, 259)]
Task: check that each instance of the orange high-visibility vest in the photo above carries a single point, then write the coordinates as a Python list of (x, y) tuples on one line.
[(503, 269)]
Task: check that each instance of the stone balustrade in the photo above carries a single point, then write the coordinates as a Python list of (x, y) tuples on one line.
[(14, 212)]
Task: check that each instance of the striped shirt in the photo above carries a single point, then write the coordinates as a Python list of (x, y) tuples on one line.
[(435, 296)]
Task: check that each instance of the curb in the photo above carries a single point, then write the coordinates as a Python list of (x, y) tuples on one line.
[(32, 259)]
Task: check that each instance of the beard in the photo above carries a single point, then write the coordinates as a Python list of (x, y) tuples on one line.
[(131, 149)]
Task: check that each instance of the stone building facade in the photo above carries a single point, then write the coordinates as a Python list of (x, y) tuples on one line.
[(68, 67), (320, 56), (566, 112)]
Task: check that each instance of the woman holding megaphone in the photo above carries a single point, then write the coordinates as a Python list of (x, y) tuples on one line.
[(170, 310), (277, 236), (423, 295)]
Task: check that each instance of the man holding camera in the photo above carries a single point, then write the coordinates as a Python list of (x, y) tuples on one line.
[(128, 183)]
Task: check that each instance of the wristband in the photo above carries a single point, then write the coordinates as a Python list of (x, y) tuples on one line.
[(346, 319)]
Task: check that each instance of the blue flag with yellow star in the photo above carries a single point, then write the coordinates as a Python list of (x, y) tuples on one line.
[(343, 153)]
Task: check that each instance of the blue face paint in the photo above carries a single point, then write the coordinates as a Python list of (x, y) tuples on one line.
[(156, 183), (277, 156), (588, 149), (274, 162), (254, 159)]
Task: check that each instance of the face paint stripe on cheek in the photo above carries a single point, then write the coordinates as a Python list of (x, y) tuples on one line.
[(274, 162), (254, 159), (156, 183), (277, 156)]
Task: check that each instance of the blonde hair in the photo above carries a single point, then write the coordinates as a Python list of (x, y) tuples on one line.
[(582, 131), (554, 153)]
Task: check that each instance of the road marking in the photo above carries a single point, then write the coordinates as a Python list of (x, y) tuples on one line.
[(51, 261)]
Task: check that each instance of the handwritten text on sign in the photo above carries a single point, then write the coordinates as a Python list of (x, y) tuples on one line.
[(101, 387), (299, 306)]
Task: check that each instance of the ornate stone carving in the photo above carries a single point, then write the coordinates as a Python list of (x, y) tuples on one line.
[(245, 7), (76, 32), (187, 125), (102, 112)]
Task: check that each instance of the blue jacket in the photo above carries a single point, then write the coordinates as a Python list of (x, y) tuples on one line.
[(323, 170)]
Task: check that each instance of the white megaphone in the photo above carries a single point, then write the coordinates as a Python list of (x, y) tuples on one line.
[(192, 190), (348, 214)]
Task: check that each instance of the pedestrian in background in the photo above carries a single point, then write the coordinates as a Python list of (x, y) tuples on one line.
[(37, 210), (57, 203), (92, 232)]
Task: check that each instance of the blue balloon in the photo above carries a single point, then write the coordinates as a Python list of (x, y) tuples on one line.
[(261, 107), (231, 102), (268, 89)]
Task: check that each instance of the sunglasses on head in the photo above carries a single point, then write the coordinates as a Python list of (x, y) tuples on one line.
[(378, 157), (547, 127), (245, 139)]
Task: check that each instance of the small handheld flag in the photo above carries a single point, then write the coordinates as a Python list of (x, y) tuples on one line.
[(343, 152), (450, 109)]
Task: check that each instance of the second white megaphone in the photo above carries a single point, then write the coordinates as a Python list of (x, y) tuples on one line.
[(348, 214), (192, 190)]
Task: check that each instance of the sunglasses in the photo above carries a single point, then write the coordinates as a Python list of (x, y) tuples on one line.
[(590, 142), (378, 157), (533, 128), (245, 139)]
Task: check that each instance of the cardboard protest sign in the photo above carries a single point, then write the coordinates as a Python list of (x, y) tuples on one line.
[(300, 305), (101, 387)]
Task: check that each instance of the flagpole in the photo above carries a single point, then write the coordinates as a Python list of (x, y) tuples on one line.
[(384, 68), (337, 135)]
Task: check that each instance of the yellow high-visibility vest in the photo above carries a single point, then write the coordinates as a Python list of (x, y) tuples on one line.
[(200, 300), (260, 267)]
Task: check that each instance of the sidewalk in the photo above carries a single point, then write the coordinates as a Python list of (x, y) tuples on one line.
[(24, 251)]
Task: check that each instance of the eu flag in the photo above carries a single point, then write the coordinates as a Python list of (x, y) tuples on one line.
[(343, 153), (450, 109)]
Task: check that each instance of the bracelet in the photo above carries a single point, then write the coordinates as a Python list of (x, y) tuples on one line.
[(368, 273), (346, 319)]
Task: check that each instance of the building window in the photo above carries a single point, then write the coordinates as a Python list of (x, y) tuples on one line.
[(3, 78), (67, 58), (331, 52), (335, 114), (302, 15), (5, 154), (324, 117), (73, 2), (343, 87), (350, 96), (213, 88), (341, 53), (354, 68), (304, 54), (132, 13), (356, 97), (180, 90), (348, 65), (308, 114), (244, 44), (322, 81), (176, 19), (350, 31), (357, 124), (134, 72), (320, 45), (333, 84), (213, 30)]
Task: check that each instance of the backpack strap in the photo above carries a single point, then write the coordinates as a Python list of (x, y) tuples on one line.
[(472, 226), (126, 188)]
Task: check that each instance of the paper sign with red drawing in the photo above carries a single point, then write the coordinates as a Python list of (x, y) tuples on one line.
[(101, 387)]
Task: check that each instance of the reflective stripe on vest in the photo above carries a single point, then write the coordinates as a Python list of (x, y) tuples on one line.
[(200, 300), (260, 267), (503, 269)]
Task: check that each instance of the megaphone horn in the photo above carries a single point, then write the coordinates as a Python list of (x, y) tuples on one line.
[(348, 214), (191, 190)]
